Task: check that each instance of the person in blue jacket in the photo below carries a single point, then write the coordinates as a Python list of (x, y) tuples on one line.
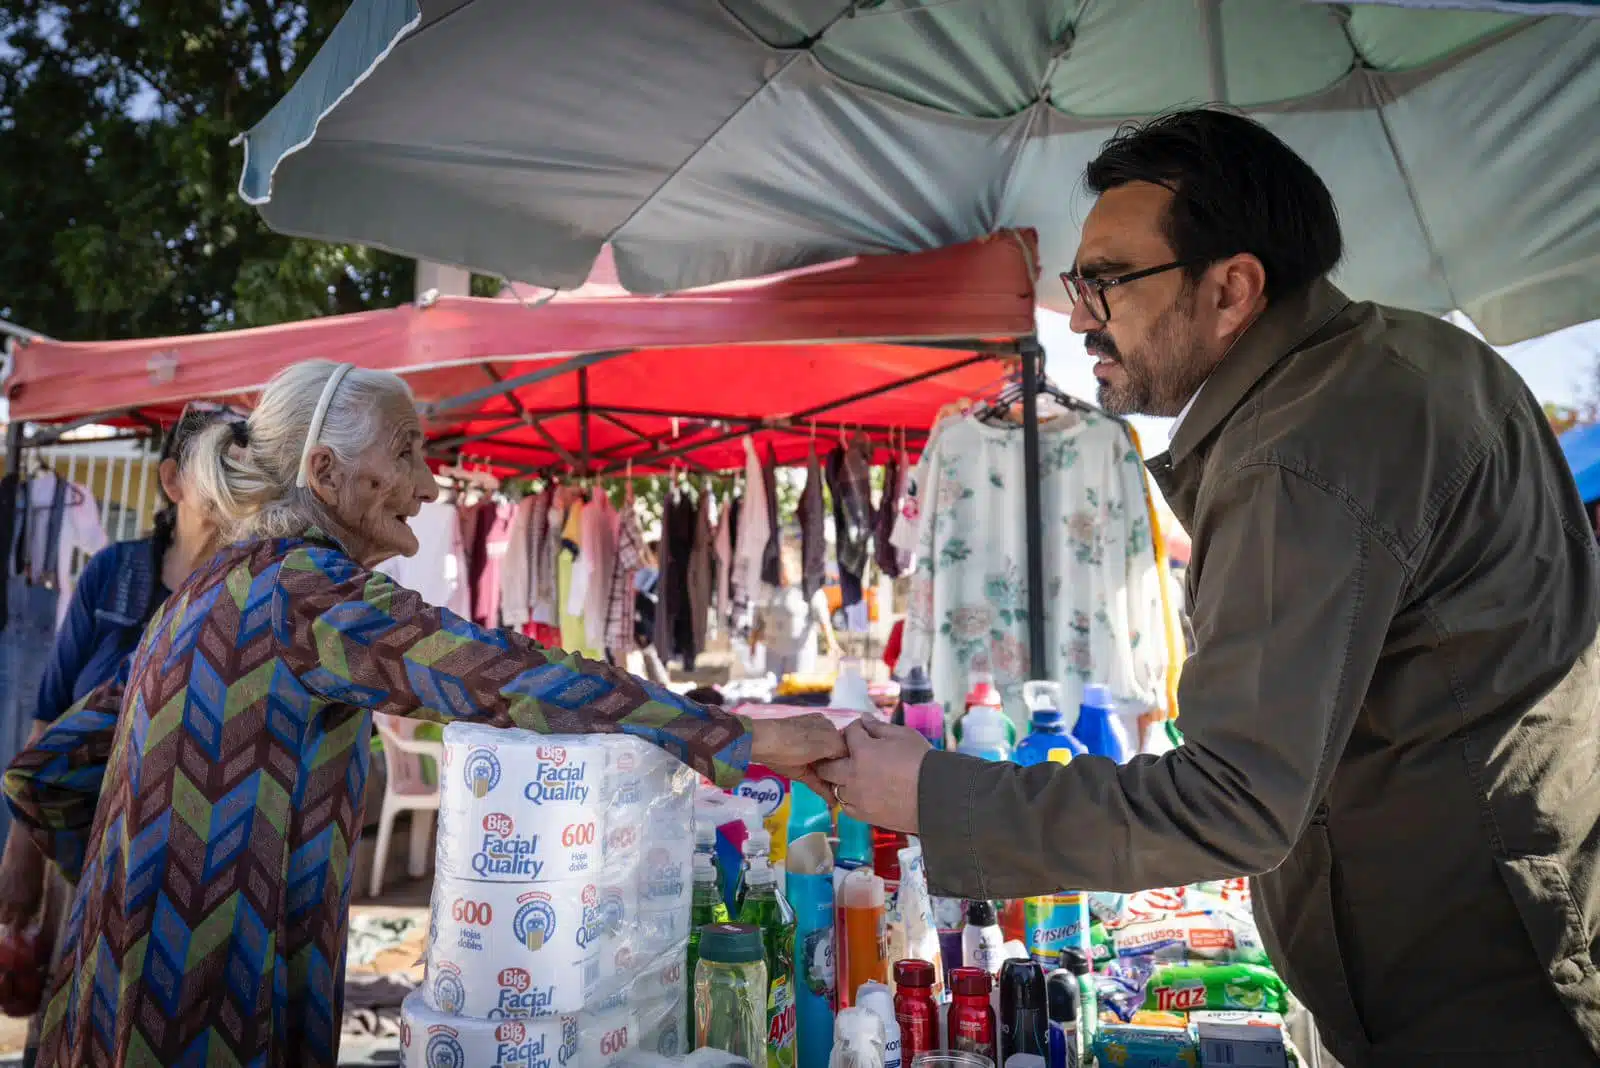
[(119, 590)]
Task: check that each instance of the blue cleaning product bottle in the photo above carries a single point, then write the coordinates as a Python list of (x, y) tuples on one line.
[(1097, 727), (855, 842), (1048, 726)]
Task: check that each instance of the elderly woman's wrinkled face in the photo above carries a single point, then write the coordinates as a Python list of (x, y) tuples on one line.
[(388, 484)]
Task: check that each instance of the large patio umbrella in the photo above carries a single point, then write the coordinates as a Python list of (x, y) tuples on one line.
[(716, 140)]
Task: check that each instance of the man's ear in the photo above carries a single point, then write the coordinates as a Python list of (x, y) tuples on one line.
[(1240, 293)]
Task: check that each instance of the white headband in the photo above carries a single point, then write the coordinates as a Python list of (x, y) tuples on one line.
[(318, 417)]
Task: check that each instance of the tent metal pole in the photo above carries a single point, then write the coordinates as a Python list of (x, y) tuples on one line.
[(544, 374), (1033, 509), (583, 421)]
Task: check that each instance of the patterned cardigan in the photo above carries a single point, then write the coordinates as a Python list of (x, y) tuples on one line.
[(208, 800)]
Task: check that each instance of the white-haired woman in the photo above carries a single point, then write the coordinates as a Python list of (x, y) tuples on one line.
[(229, 759)]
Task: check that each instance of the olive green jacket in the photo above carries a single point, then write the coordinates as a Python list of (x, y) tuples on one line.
[(1392, 718)]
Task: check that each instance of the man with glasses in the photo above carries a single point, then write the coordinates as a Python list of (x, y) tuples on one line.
[(1392, 716)]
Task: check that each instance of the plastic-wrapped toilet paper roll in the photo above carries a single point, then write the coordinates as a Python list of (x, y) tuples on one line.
[(632, 977), (430, 1039), (520, 807), (660, 933), (606, 1038), (640, 772), (665, 881), (664, 1025), (510, 951)]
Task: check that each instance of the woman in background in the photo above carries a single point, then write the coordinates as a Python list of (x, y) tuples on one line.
[(120, 589)]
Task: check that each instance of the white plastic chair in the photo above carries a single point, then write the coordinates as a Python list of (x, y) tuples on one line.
[(406, 790)]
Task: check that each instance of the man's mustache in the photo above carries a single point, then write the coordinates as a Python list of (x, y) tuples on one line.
[(1098, 343)]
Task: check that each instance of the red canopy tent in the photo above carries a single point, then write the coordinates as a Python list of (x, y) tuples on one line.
[(599, 381)]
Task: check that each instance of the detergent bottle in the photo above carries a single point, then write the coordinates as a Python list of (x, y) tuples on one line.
[(1048, 728), (985, 733), (1099, 728)]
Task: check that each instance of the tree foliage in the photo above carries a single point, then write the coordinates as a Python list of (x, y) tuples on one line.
[(118, 196)]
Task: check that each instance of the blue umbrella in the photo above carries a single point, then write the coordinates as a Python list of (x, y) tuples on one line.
[(1581, 446)]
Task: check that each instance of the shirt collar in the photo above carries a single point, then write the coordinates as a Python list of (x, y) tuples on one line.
[(1284, 327), (1172, 431)]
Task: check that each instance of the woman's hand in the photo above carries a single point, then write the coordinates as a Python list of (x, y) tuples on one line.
[(21, 879), (792, 745)]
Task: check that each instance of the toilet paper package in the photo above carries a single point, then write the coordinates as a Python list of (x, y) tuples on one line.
[(521, 807), (563, 891), (504, 950), (430, 1039)]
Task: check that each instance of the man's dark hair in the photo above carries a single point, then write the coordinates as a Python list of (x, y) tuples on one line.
[(1236, 188)]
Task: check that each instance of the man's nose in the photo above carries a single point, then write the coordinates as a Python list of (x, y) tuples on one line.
[(1082, 320)]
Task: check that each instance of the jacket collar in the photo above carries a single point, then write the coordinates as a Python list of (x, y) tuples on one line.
[(1280, 330)]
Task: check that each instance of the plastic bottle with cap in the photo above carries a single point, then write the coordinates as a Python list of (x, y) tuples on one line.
[(876, 999), (766, 907), (1047, 725), (858, 1040), (982, 943), (1098, 728), (730, 991), (919, 710), (985, 733)]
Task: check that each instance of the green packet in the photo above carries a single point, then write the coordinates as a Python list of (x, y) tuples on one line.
[(1102, 948), (1215, 987)]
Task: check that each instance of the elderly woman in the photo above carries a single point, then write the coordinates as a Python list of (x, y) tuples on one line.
[(215, 874)]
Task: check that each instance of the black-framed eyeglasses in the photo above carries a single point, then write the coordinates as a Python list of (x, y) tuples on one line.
[(1091, 292)]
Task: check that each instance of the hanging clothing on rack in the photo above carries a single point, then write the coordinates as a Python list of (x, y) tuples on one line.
[(750, 544), (674, 632), (494, 533), (969, 599), (546, 556), (598, 558), (702, 572), (892, 560), (621, 604), (908, 523), (850, 483), (772, 553), (516, 569), (813, 535), (722, 553), (574, 634)]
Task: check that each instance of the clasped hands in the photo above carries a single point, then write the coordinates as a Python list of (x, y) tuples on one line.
[(870, 769)]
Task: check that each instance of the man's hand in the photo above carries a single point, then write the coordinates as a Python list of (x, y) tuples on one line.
[(793, 745), (877, 782)]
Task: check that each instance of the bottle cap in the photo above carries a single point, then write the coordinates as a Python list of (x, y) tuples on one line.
[(759, 841), (983, 693), (914, 973), (1047, 719), (876, 999), (1025, 980), (1073, 961), (704, 867), (981, 914), (731, 943), (1061, 996), (915, 686), (705, 834), (964, 982), (857, 1025), (1097, 696)]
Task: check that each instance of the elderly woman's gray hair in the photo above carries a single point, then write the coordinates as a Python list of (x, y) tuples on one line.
[(258, 488)]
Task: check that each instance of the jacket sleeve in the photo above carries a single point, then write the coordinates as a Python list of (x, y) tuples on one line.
[(74, 642), (1293, 604), (353, 636), (53, 786)]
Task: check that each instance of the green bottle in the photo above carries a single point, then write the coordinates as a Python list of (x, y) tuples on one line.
[(765, 907), (706, 908)]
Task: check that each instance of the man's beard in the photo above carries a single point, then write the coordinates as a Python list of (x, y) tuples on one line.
[(1160, 376)]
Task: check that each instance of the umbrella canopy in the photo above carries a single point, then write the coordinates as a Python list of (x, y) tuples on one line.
[(1581, 446), (550, 381), (716, 141)]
